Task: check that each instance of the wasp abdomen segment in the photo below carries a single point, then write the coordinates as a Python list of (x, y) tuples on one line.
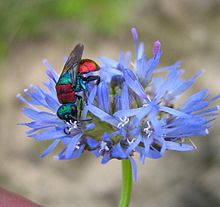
[(65, 93), (87, 65)]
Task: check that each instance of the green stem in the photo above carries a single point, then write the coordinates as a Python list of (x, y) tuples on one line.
[(126, 184)]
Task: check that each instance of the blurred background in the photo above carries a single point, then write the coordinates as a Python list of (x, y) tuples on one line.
[(32, 30)]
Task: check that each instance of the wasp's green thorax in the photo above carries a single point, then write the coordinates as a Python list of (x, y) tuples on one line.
[(79, 85), (67, 111), (65, 79)]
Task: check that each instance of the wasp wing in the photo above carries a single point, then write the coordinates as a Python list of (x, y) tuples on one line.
[(74, 58)]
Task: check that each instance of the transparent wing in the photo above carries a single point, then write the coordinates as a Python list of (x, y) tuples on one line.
[(74, 58)]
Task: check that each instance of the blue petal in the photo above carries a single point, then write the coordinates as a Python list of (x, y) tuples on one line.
[(71, 146), (174, 112), (155, 123), (118, 152), (212, 109), (135, 37), (54, 105), (105, 158), (125, 59), (149, 68), (124, 98), (77, 152), (50, 71), (163, 146), (140, 51), (145, 111), (108, 61), (96, 153), (35, 115), (176, 65), (106, 73), (92, 143), (60, 155), (21, 98), (134, 84), (215, 98), (147, 143), (178, 146), (123, 132), (39, 99), (140, 64), (102, 115), (89, 127), (106, 137), (134, 168), (134, 144), (117, 102), (153, 154), (50, 148), (156, 47), (126, 113), (172, 76), (185, 85), (51, 88), (92, 95), (39, 125), (103, 96), (194, 99), (48, 135)]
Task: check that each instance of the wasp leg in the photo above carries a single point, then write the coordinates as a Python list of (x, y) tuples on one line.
[(92, 78)]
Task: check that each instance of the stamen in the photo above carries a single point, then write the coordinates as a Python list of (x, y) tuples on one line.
[(77, 145), (103, 147), (131, 141), (193, 144), (124, 121), (74, 124), (148, 130), (71, 126)]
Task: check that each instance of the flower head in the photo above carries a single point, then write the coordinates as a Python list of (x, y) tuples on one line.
[(133, 110)]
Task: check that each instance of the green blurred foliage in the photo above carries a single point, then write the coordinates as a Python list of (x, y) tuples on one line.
[(23, 20)]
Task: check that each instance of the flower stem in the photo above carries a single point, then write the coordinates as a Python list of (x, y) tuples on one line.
[(126, 184)]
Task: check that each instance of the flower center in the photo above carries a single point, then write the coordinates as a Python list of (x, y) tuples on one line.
[(71, 127)]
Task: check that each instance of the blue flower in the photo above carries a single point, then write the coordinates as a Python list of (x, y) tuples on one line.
[(45, 125), (133, 110), (156, 124)]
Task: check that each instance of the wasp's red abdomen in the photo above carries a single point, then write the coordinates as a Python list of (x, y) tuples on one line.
[(87, 65), (65, 93)]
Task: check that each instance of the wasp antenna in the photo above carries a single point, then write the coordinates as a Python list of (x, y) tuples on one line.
[(84, 120)]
